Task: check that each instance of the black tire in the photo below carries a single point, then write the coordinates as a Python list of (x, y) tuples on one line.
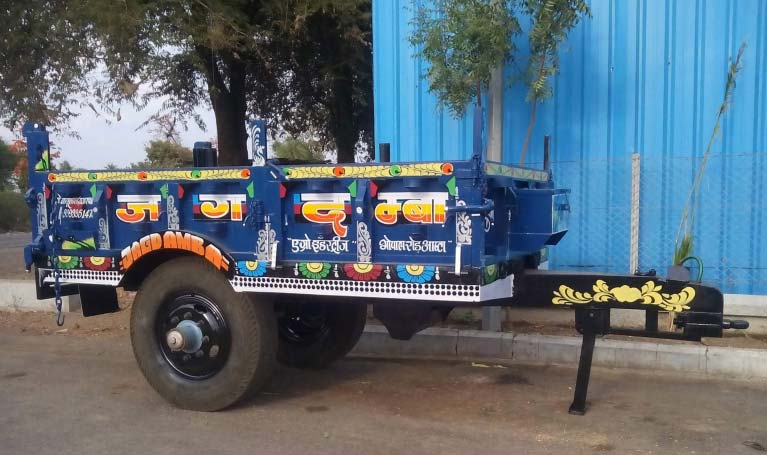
[(316, 334), (242, 363)]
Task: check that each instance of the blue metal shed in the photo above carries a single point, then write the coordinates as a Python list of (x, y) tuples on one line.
[(641, 76)]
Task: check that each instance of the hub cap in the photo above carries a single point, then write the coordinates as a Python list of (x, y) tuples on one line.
[(193, 336)]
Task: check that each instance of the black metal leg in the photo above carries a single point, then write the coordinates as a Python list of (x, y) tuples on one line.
[(651, 320), (584, 365)]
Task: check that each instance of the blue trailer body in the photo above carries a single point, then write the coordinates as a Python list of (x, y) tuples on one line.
[(416, 239), (449, 231)]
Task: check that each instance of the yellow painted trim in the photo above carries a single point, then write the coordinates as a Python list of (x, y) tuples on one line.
[(649, 294), (371, 171), (151, 175)]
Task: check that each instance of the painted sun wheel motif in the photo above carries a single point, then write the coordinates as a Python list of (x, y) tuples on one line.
[(415, 273), (314, 270), (68, 262), (97, 263), (363, 272), (251, 268)]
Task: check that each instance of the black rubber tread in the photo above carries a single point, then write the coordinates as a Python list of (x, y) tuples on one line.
[(253, 326), (346, 321)]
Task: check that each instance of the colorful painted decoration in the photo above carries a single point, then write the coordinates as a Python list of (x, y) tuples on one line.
[(152, 176), (415, 273), (97, 263), (136, 208), (490, 273), (218, 207), (251, 268), (649, 294), (323, 208), (68, 262), (370, 171), (411, 207), (363, 272), (314, 270), (173, 240), (85, 244), (44, 163)]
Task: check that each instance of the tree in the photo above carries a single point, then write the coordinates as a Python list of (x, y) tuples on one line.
[(293, 149), (64, 165), (320, 77), (165, 154), (463, 40), (20, 172), (8, 161), (46, 53), (551, 21), (189, 52)]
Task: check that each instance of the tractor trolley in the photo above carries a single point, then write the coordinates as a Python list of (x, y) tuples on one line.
[(240, 267)]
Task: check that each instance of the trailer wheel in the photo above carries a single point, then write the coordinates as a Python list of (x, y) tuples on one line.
[(199, 344), (314, 335)]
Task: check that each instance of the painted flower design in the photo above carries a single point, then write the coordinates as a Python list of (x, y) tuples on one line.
[(251, 268), (68, 262), (314, 270), (626, 294), (415, 273), (363, 272), (97, 263)]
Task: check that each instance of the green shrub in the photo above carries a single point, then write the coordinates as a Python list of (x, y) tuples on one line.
[(15, 213)]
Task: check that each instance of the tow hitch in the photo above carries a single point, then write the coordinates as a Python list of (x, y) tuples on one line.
[(697, 309)]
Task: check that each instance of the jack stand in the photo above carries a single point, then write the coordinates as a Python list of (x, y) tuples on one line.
[(592, 322)]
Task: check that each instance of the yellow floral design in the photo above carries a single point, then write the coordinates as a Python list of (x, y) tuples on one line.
[(649, 294)]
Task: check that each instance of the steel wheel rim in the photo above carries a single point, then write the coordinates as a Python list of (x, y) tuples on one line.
[(304, 327)]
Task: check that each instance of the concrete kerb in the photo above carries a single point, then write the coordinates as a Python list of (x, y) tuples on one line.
[(20, 295), (452, 344)]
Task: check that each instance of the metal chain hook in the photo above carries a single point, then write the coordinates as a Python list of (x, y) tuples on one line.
[(56, 278)]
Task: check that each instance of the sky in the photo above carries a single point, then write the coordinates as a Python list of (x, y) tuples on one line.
[(120, 142)]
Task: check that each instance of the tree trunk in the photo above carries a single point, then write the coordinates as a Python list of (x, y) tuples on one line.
[(229, 108), (342, 120), (231, 131), (532, 113)]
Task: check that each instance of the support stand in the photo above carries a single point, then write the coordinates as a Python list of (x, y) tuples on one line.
[(592, 322)]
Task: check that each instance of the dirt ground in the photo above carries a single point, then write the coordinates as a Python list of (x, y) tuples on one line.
[(78, 390)]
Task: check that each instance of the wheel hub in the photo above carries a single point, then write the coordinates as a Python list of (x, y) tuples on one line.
[(303, 326), (187, 337), (193, 336)]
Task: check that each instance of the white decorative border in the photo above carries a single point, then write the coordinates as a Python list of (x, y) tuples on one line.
[(106, 278), (377, 289), (499, 289)]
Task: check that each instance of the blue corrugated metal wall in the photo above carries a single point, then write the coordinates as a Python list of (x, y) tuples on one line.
[(643, 76)]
